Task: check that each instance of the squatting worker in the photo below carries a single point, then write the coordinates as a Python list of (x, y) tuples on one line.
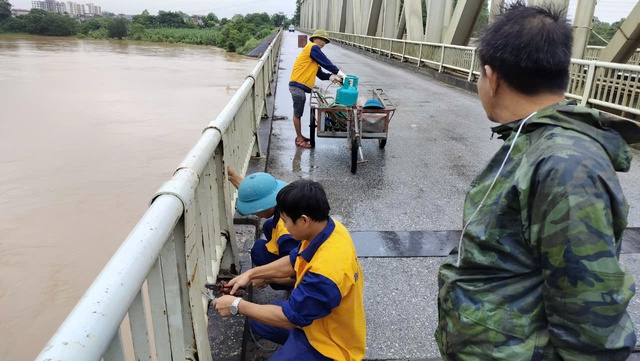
[(257, 196), (536, 274), (303, 76), (323, 319)]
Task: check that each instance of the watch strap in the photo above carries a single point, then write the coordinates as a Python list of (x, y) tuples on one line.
[(234, 306)]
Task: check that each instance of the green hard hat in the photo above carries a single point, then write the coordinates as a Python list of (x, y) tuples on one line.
[(322, 34), (257, 193)]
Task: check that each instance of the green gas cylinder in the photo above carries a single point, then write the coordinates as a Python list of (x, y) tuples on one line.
[(348, 94)]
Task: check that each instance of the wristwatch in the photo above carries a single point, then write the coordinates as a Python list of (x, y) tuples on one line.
[(234, 306)]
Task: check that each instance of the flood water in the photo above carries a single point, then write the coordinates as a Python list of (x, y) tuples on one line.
[(88, 132)]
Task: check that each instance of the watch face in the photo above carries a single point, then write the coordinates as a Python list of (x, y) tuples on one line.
[(234, 306)]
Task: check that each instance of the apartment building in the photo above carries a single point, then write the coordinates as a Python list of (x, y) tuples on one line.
[(18, 12), (71, 8)]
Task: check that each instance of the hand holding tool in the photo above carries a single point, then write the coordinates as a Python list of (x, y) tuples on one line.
[(219, 289)]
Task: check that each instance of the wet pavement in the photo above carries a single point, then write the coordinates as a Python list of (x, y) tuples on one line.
[(404, 204)]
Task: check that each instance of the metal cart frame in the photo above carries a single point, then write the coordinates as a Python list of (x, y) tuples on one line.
[(320, 119)]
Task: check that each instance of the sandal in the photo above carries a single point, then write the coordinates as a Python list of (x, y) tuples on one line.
[(303, 143)]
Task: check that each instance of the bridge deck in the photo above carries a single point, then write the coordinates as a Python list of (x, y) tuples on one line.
[(438, 141)]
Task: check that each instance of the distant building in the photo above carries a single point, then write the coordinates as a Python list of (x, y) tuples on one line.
[(92, 9), (48, 5), (69, 7), (75, 9), (197, 19), (18, 12), (61, 8)]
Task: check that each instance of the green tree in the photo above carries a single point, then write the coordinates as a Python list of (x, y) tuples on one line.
[(45, 23), (483, 19), (598, 33), (146, 20), (93, 24), (278, 19), (137, 31), (170, 20), (616, 25), (296, 15), (212, 19), (263, 32), (117, 28), (14, 25), (602, 32), (5, 10), (233, 37), (258, 20)]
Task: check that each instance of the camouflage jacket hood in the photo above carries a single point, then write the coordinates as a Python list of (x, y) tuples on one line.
[(536, 274), (610, 131)]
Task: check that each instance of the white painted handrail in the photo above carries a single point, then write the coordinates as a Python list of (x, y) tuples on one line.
[(157, 275)]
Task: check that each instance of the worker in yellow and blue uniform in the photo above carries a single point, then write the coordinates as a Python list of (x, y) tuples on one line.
[(324, 318), (303, 76), (257, 196)]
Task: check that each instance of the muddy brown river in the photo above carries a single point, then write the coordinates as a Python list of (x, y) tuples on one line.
[(88, 132)]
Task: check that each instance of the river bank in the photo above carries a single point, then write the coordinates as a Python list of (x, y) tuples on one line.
[(240, 34)]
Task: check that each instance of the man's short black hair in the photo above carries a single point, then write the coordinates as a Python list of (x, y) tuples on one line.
[(529, 47), (304, 197)]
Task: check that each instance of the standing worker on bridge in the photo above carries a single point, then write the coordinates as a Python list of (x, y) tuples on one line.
[(536, 274), (323, 319), (303, 76)]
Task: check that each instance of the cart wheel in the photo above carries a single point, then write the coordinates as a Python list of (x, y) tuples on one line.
[(382, 143), (312, 129), (354, 155)]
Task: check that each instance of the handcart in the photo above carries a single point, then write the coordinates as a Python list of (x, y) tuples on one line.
[(329, 120)]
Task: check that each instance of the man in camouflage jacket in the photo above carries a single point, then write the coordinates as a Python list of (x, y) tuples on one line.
[(536, 275)]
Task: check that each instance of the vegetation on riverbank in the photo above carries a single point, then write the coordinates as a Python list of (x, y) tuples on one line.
[(239, 34)]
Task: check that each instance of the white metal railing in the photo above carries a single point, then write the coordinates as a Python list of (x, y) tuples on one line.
[(182, 241), (609, 85), (593, 53)]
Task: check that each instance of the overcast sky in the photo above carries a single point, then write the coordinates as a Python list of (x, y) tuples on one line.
[(606, 10), (222, 8)]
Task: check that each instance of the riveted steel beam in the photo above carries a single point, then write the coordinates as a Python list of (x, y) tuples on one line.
[(374, 17), (435, 21), (413, 17), (463, 20)]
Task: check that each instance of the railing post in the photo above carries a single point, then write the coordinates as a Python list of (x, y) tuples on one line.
[(404, 47), (390, 47), (473, 63), (254, 113), (115, 352), (139, 333), (441, 59), (591, 72), (420, 55)]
